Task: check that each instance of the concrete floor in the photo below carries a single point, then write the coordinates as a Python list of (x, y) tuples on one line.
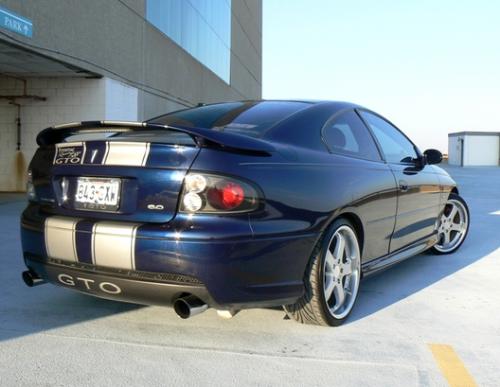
[(52, 336)]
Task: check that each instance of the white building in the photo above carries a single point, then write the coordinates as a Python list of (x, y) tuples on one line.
[(474, 148)]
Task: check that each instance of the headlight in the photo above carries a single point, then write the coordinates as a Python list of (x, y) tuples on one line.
[(204, 193), (30, 188)]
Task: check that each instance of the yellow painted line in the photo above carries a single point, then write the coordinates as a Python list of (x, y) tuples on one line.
[(451, 366)]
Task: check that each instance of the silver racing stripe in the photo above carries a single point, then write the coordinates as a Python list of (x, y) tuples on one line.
[(84, 151), (146, 154), (127, 153), (113, 245), (92, 244), (105, 153), (132, 249), (60, 238)]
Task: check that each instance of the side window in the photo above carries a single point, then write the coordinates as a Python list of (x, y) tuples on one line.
[(396, 147), (347, 135)]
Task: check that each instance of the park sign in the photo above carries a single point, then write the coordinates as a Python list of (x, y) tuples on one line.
[(13, 22)]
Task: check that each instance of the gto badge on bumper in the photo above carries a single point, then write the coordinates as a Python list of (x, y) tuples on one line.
[(89, 284)]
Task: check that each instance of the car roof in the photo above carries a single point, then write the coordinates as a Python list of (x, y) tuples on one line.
[(312, 102), (340, 104)]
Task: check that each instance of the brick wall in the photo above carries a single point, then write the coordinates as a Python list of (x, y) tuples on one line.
[(68, 100)]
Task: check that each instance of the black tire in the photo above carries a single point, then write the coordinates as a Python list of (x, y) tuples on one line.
[(312, 307), (434, 249)]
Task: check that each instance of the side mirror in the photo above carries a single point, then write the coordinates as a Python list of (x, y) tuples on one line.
[(433, 156)]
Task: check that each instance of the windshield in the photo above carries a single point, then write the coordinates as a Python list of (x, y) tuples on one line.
[(248, 118)]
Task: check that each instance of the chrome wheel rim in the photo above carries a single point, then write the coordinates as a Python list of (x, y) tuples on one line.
[(341, 272), (452, 226)]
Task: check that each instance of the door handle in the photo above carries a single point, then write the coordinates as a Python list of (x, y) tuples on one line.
[(403, 186)]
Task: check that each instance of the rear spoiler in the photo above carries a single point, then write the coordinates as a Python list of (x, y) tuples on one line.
[(202, 137)]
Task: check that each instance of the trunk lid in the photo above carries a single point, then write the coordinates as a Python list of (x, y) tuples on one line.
[(140, 171)]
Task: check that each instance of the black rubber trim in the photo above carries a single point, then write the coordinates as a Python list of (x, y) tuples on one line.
[(151, 291), (132, 274)]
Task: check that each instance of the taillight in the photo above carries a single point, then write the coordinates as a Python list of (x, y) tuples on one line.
[(216, 194), (227, 196)]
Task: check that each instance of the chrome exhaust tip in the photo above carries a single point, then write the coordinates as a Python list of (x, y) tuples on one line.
[(31, 279), (189, 306)]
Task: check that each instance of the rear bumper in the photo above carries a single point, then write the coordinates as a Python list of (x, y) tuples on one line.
[(135, 287), (216, 259)]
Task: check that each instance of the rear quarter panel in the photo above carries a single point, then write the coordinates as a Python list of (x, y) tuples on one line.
[(305, 190)]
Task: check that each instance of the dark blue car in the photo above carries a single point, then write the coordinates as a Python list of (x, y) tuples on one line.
[(235, 205)]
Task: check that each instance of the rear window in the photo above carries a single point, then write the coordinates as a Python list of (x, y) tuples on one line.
[(247, 118), (124, 134)]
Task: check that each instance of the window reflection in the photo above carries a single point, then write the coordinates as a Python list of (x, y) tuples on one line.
[(201, 27)]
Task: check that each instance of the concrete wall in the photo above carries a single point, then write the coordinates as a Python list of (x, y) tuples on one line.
[(139, 71), (112, 38), (68, 100), (246, 42), (481, 150), (120, 101)]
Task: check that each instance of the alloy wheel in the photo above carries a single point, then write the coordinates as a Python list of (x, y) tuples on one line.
[(342, 272), (452, 226)]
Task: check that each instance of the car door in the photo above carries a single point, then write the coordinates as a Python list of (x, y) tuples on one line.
[(418, 185), (366, 176)]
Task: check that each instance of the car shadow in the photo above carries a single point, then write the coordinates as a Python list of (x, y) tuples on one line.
[(24, 310), (55, 308), (407, 278), (417, 273)]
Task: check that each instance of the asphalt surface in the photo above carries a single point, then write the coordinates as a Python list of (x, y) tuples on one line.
[(53, 336)]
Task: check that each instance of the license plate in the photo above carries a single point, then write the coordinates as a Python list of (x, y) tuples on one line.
[(97, 194)]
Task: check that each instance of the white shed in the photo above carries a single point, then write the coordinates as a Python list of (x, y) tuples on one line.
[(474, 148)]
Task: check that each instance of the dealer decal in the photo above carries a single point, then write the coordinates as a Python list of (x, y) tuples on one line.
[(70, 153)]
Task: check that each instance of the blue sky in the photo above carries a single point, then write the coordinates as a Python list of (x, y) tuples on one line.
[(431, 67)]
